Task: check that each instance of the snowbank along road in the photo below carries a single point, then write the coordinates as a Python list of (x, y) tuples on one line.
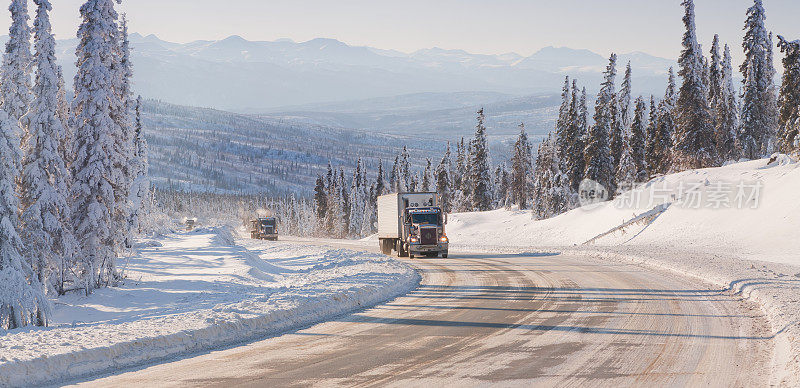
[(508, 319)]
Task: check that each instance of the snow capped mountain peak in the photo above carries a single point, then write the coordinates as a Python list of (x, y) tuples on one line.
[(238, 74)]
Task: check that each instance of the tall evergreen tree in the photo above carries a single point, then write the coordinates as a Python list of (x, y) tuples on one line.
[(394, 176), (551, 186), (443, 182), (599, 161), (405, 171), (638, 139), (789, 101), (344, 204), (380, 185), (626, 98), (521, 166), (22, 299), (715, 81), (97, 166), (542, 181), (126, 160), (139, 165), (45, 214), (480, 178), (562, 124), (651, 158), (572, 158), (626, 172), (617, 137), (759, 116), (320, 200), (357, 199), (427, 176), (694, 145), (501, 186), (726, 112), (15, 84)]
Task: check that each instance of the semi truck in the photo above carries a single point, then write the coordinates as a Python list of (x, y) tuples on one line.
[(264, 228), (412, 224)]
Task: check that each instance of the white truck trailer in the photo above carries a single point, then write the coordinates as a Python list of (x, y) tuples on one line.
[(412, 224)]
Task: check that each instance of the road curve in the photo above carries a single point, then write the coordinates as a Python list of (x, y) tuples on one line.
[(508, 320)]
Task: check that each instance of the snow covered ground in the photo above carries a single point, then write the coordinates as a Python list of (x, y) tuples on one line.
[(765, 228), (187, 292), (736, 226)]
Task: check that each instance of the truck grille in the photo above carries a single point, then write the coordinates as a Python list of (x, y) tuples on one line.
[(427, 236)]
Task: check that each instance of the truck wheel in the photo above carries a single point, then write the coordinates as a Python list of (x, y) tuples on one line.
[(386, 247), (444, 255), (401, 250)]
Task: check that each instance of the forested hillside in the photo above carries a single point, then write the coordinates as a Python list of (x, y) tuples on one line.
[(207, 149)]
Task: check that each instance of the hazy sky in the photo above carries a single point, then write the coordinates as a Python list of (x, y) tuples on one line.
[(488, 26)]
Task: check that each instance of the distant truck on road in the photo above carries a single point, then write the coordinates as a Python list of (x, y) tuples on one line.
[(264, 228), (412, 224)]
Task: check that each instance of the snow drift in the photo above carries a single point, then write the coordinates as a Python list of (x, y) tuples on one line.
[(188, 292), (765, 228)]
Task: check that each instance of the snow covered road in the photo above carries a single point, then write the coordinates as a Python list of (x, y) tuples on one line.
[(518, 319)]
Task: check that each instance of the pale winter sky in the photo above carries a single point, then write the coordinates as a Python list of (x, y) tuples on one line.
[(480, 26)]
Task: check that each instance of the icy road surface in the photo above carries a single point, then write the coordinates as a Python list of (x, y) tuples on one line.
[(508, 319)]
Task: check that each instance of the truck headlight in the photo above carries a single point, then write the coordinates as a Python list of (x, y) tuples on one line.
[(413, 239), (443, 239)]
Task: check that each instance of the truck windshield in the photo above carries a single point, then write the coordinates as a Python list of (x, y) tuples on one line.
[(268, 223), (425, 218)]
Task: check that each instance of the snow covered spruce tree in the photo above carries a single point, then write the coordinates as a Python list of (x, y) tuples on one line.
[(574, 155), (15, 86), (140, 165), (127, 161), (100, 161), (380, 180), (427, 176), (562, 123), (694, 145), (502, 181), (638, 139), (789, 101), (599, 162), (726, 113), (45, 217), (320, 204), (443, 182), (394, 176), (660, 142), (358, 199), (521, 167), (551, 186), (22, 294), (625, 99), (626, 171), (480, 176), (22, 297), (714, 75), (758, 123), (652, 160), (405, 171)]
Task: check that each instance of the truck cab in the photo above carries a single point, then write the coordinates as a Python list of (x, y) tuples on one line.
[(425, 232), (412, 224), (264, 228)]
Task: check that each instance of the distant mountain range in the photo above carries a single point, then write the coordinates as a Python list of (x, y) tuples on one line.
[(256, 77)]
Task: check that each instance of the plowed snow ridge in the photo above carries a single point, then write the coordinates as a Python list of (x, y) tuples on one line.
[(188, 292)]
